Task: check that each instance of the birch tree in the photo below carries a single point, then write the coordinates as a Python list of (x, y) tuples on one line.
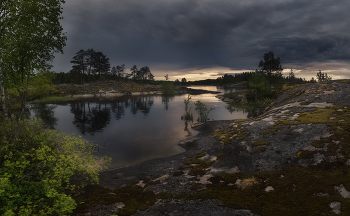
[(31, 33)]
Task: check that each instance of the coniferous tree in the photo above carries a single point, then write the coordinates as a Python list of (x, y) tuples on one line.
[(80, 65), (120, 71), (101, 64), (270, 65), (134, 72), (90, 61), (291, 76)]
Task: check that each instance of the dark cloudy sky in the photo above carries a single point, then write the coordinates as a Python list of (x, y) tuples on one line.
[(200, 39)]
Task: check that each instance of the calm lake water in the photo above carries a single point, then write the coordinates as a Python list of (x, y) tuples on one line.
[(132, 129)]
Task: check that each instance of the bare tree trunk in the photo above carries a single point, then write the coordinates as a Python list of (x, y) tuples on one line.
[(3, 99)]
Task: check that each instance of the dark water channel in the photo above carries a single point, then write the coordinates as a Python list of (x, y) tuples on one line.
[(131, 129)]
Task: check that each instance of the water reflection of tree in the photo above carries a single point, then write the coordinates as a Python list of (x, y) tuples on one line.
[(46, 114), (89, 119), (142, 104), (92, 117), (118, 108), (189, 132), (166, 100)]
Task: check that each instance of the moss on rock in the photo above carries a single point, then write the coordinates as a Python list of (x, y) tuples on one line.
[(260, 142)]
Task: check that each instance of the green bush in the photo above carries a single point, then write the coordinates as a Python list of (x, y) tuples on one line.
[(42, 84), (37, 166), (168, 88)]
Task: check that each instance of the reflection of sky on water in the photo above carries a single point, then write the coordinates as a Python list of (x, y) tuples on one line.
[(221, 89), (207, 88), (131, 130)]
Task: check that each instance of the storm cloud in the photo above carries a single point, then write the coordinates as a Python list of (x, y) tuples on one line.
[(183, 36)]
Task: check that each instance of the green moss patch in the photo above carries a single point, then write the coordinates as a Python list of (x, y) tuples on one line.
[(260, 142), (240, 120), (198, 166), (320, 143), (305, 154), (229, 134), (272, 131), (200, 154), (321, 86), (221, 155)]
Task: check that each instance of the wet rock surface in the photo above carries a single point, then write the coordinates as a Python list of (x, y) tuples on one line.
[(289, 157)]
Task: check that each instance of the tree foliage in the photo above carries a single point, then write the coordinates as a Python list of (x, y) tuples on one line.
[(89, 63), (270, 65), (202, 111), (30, 34), (260, 84), (37, 166), (322, 76)]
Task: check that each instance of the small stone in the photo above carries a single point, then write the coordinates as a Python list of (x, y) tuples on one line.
[(269, 188), (120, 205), (340, 110), (335, 206), (342, 190), (322, 194), (282, 176)]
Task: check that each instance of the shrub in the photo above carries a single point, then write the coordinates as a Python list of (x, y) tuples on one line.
[(203, 111), (37, 166), (168, 88)]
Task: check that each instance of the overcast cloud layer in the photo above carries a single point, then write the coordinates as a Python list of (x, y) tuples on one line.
[(209, 37)]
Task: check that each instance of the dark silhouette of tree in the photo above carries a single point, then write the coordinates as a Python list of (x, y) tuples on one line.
[(120, 71), (80, 65), (291, 76), (150, 76), (101, 64), (270, 65), (134, 72), (322, 76), (114, 71), (183, 80), (90, 61), (143, 72)]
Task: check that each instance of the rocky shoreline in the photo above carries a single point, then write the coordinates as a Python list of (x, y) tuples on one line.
[(292, 160)]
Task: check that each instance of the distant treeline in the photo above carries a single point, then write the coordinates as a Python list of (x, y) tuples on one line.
[(122, 76), (246, 76)]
